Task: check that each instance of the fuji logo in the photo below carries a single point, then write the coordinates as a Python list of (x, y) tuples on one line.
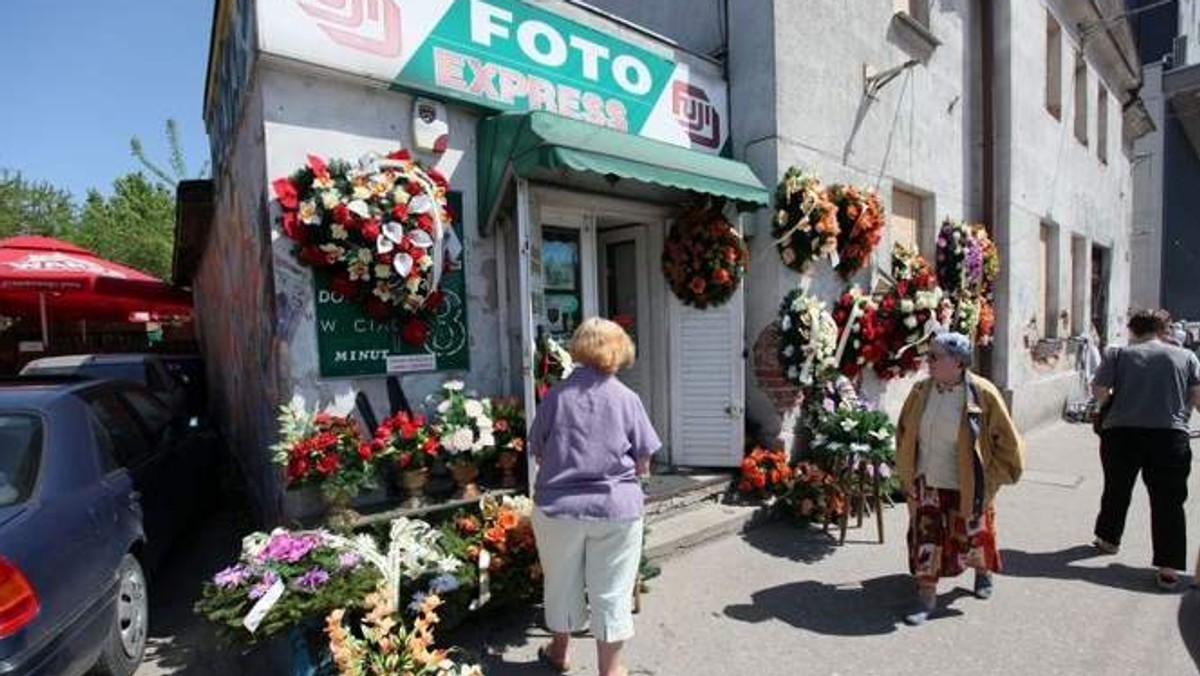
[(371, 26)]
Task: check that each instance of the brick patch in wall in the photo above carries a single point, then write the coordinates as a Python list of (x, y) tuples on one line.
[(769, 372)]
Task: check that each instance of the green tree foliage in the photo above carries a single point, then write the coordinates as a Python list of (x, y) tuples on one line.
[(135, 226), (33, 207), (176, 163)]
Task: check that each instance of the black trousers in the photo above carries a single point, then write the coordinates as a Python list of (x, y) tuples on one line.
[(1164, 457)]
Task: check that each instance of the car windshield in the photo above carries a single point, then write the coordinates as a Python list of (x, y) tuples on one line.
[(20, 455)]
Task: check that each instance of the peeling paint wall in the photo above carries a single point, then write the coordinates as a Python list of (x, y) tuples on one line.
[(235, 310)]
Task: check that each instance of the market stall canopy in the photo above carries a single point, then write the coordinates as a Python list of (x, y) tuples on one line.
[(74, 283), (542, 145)]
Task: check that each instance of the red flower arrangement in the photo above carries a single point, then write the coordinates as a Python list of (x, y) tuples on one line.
[(704, 258), (324, 450), (860, 226), (906, 310), (864, 334), (765, 473), (380, 228), (815, 496), (408, 439)]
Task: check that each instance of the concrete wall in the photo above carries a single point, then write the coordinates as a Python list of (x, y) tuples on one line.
[(914, 135), (235, 310), (1048, 176), (1149, 174), (308, 113)]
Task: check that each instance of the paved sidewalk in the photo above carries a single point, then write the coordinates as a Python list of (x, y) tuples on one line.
[(778, 601)]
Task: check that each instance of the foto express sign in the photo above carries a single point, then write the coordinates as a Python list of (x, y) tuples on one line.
[(506, 55)]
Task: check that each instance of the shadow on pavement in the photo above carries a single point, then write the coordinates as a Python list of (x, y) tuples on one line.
[(1058, 566), (485, 640), (874, 607), (182, 642), (1189, 624), (803, 545)]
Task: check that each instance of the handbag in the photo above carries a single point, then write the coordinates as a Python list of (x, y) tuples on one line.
[(1102, 412)]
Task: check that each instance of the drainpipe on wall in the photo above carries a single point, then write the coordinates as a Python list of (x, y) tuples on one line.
[(987, 46)]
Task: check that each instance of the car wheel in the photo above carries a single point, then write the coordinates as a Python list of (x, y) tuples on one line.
[(126, 642)]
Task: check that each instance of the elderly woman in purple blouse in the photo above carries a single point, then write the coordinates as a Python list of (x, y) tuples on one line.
[(591, 438)]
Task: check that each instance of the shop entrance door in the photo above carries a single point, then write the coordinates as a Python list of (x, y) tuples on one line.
[(625, 299)]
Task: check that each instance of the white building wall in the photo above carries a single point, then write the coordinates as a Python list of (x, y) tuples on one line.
[(1048, 176), (913, 135), (320, 114), (1148, 167)]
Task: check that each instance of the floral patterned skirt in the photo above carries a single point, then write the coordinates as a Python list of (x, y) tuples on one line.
[(943, 541)]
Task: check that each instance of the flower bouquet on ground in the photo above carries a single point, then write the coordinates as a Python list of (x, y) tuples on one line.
[(807, 339), (508, 427), (814, 496), (806, 223), (860, 226), (324, 450), (282, 580), (704, 258), (382, 644), (411, 444), (499, 552), (464, 426), (764, 474)]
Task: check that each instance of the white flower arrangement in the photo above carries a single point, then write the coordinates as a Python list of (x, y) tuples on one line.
[(808, 338), (464, 424)]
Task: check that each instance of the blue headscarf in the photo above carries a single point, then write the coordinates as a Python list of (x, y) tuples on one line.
[(956, 345)]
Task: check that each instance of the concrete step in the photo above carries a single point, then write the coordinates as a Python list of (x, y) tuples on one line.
[(667, 495), (701, 522)]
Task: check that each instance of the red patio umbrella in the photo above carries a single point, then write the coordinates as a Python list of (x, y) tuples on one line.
[(40, 273)]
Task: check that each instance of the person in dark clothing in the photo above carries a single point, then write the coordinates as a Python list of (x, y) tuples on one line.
[(1153, 387)]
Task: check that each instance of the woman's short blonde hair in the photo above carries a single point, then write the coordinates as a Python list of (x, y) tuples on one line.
[(602, 345)]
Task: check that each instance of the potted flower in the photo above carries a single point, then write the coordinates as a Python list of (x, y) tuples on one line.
[(325, 450), (464, 428), (408, 441), (508, 425), (765, 473)]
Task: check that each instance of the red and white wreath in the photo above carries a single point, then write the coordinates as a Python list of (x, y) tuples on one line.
[(381, 227)]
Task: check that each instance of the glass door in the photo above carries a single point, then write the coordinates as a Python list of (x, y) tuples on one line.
[(624, 299)]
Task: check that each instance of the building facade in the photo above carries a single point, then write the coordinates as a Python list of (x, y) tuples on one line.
[(1017, 115), (1166, 245)]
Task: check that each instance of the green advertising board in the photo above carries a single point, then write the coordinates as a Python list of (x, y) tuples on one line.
[(350, 344)]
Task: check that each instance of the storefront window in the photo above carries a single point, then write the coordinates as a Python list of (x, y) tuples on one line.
[(562, 281)]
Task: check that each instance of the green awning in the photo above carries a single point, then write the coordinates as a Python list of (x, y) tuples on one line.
[(528, 145)]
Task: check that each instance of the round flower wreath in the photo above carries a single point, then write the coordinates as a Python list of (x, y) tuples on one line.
[(806, 225), (704, 259), (860, 226), (907, 310), (968, 263), (863, 337), (379, 227), (808, 339)]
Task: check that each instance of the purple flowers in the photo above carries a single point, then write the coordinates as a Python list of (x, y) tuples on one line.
[(348, 560), (233, 576), (312, 580), (974, 262), (289, 548), (269, 578)]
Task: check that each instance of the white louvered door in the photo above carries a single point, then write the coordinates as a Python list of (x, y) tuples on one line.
[(707, 383)]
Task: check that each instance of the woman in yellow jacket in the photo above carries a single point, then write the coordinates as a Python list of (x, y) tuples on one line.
[(955, 446)]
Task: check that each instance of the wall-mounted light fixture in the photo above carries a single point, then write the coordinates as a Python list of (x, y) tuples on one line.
[(874, 82)]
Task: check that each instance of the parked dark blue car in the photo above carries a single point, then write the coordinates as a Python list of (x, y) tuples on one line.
[(95, 480)]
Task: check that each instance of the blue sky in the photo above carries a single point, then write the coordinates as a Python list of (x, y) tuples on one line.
[(82, 77)]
